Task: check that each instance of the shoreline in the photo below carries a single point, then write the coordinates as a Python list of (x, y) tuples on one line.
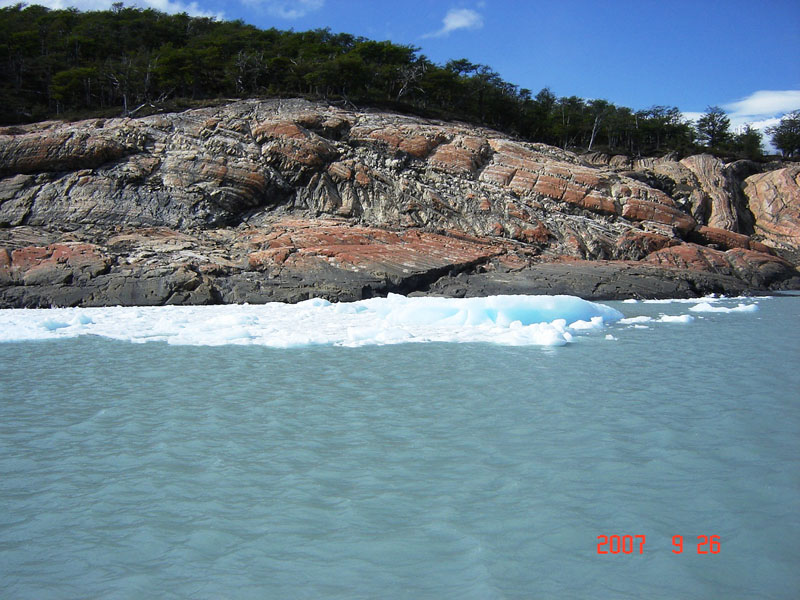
[(292, 259), (65, 285)]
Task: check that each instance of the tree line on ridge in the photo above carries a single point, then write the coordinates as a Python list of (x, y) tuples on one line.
[(72, 64)]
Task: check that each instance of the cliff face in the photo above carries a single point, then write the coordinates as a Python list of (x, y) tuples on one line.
[(263, 200)]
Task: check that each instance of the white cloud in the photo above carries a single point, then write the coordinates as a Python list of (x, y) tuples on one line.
[(762, 109), (287, 9), (763, 123), (764, 103), (167, 6), (174, 6), (692, 116), (458, 18), (759, 110)]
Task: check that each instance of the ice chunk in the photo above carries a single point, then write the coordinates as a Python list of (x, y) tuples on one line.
[(711, 298), (708, 307), (593, 323), (54, 324), (675, 319), (82, 319), (317, 302), (634, 320), (509, 320)]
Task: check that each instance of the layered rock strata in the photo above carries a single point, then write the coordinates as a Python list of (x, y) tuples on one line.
[(256, 201)]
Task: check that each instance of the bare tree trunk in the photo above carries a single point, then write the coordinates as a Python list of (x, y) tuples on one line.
[(594, 131)]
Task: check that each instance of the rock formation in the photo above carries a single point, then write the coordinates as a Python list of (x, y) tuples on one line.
[(775, 203), (284, 199)]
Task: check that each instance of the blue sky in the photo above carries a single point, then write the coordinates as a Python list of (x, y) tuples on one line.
[(741, 55)]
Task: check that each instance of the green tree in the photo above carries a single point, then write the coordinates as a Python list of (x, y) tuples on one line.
[(461, 67), (541, 117), (786, 134), (569, 120), (713, 128), (747, 143), (73, 87), (440, 88), (129, 59), (618, 126)]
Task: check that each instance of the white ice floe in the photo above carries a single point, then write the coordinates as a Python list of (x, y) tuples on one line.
[(711, 298), (634, 320), (675, 319), (661, 319), (708, 307), (507, 320)]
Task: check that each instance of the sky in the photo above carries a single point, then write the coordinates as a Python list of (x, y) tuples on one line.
[(741, 55)]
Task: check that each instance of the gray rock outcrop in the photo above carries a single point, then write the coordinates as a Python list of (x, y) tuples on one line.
[(286, 199)]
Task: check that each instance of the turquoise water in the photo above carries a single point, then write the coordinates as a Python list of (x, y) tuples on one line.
[(435, 470)]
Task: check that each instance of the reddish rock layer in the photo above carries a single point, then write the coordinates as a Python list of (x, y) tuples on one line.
[(774, 199)]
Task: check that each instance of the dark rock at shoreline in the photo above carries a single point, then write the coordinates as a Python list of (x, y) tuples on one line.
[(292, 259), (592, 281)]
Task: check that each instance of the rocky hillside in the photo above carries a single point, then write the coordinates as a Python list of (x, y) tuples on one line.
[(256, 201)]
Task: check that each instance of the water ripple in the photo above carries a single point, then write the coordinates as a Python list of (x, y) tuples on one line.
[(423, 471)]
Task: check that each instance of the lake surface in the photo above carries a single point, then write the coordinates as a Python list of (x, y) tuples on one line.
[(401, 470)]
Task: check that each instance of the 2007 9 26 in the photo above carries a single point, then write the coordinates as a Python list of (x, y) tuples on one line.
[(627, 544)]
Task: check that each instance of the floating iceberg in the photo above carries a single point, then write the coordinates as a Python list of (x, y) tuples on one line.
[(708, 307), (507, 320)]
